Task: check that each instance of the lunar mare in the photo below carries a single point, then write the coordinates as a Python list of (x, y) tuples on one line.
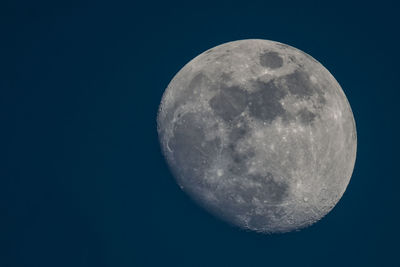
[(260, 134)]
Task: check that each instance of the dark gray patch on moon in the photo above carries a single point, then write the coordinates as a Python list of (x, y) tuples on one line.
[(229, 102), (264, 103), (264, 143), (271, 60), (298, 84)]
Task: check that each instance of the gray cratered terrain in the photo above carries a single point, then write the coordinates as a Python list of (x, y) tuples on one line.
[(260, 134)]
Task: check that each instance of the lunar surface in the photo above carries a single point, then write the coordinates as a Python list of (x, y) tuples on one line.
[(260, 134)]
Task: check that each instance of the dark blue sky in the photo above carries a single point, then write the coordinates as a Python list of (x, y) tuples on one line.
[(82, 178)]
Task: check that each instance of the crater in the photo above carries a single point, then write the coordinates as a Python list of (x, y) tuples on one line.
[(229, 102), (271, 60)]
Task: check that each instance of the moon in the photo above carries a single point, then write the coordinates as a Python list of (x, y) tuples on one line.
[(259, 134)]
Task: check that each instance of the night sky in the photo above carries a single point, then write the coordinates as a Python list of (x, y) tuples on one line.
[(82, 178)]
